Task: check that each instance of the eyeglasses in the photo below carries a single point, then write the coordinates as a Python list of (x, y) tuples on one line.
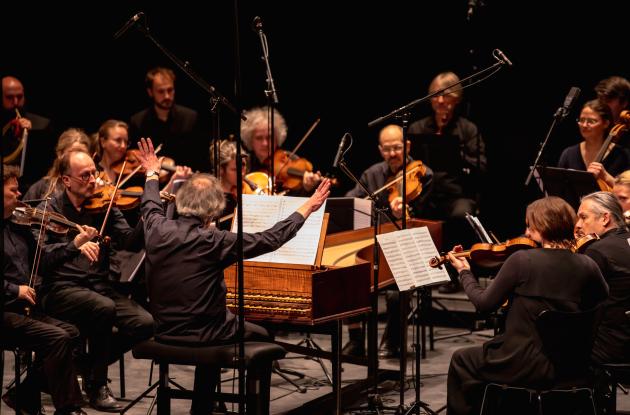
[(85, 177), (587, 121), (396, 148)]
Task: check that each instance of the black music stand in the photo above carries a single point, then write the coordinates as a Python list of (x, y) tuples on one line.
[(568, 184)]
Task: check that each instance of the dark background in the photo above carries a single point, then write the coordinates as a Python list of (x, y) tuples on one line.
[(346, 63)]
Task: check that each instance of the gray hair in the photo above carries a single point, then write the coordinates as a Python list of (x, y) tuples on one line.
[(260, 115), (606, 202), (200, 196), (444, 79), (227, 152)]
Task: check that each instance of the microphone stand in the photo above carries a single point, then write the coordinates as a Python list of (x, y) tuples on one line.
[(272, 101), (217, 98), (375, 403), (557, 118), (403, 113)]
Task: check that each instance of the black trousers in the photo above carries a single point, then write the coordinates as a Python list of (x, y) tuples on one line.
[(53, 342), (206, 377), (95, 312), (464, 385)]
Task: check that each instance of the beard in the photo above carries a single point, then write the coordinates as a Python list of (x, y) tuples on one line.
[(165, 104)]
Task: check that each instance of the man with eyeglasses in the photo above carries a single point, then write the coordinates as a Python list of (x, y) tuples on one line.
[(391, 148), (79, 291)]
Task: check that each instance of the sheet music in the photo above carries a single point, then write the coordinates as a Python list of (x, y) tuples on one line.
[(408, 253), (261, 212)]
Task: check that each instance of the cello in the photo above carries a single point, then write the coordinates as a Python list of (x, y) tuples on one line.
[(608, 144)]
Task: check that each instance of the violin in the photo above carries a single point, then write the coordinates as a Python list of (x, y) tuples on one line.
[(580, 244), (133, 166), (289, 171), (256, 183), (126, 199), (414, 172), (488, 255), (53, 221)]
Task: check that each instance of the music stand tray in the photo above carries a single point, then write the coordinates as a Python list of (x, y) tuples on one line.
[(568, 184)]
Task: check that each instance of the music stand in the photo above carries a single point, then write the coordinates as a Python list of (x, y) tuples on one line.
[(568, 184)]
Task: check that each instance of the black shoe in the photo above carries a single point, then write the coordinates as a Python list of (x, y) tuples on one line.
[(389, 351), (449, 288), (102, 399), (70, 411), (10, 399), (354, 348)]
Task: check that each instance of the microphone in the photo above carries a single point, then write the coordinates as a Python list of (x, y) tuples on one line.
[(342, 144), (128, 25), (501, 56), (569, 101), (257, 24)]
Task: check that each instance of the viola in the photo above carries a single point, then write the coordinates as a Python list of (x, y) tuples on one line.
[(53, 221), (289, 171), (134, 166), (488, 255)]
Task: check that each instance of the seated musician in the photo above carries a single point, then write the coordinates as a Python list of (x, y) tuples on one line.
[(621, 190), (78, 290), (52, 340), (533, 280), (186, 258), (600, 213), (70, 139), (391, 149), (256, 136), (227, 173), (595, 122)]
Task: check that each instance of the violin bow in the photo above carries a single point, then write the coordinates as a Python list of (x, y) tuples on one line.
[(111, 201), (297, 147), (396, 180), (134, 171), (38, 252)]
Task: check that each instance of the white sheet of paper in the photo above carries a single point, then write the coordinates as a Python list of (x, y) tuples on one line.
[(262, 212), (408, 253)]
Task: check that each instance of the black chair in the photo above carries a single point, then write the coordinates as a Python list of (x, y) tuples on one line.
[(615, 374), (19, 371), (258, 359), (567, 339)]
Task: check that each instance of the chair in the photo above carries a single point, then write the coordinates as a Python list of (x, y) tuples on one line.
[(17, 353), (615, 374), (258, 359), (567, 340)]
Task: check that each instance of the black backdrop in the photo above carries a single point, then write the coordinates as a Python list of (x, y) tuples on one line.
[(345, 62)]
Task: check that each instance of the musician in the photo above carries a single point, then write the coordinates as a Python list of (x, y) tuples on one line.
[(227, 171), (41, 136), (601, 213), (391, 149), (71, 139), (454, 147), (533, 280), (186, 258), (595, 122), (256, 136), (614, 91), (621, 190), (52, 340), (78, 290), (180, 129)]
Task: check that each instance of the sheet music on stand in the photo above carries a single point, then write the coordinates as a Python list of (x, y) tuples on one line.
[(478, 228), (408, 253), (261, 212)]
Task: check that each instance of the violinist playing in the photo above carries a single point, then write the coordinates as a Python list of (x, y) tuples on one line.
[(256, 136), (375, 177), (552, 277), (52, 340), (79, 291)]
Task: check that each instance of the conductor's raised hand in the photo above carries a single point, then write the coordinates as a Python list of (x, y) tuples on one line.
[(317, 199), (146, 155)]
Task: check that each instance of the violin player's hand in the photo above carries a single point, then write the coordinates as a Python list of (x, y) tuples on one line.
[(25, 123), (396, 205), (27, 293), (147, 156), (181, 173), (460, 264), (310, 180), (90, 250), (86, 234)]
